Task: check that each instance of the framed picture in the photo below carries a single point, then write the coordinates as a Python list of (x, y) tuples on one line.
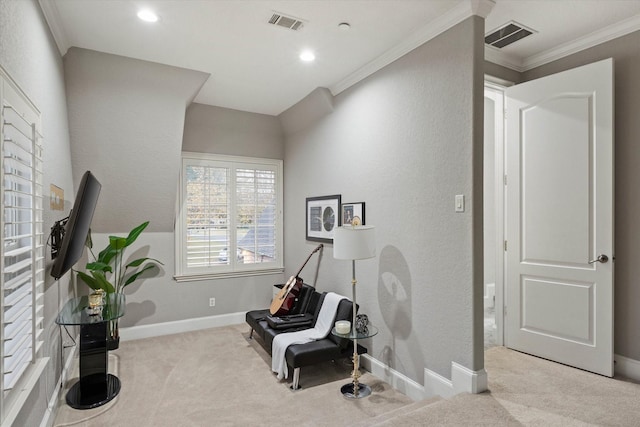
[(353, 213), (323, 216)]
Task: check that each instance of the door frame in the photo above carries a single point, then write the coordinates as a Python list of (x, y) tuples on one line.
[(494, 89)]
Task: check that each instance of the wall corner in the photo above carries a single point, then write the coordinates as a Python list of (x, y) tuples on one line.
[(463, 380)]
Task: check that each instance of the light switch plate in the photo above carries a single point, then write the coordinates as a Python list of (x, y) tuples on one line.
[(459, 202)]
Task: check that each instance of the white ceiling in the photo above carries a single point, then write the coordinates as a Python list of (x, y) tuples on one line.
[(254, 66)]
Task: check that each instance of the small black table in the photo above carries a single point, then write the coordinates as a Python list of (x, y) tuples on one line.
[(96, 386)]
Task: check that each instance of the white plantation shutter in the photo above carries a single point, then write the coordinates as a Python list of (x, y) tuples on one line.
[(207, 220), (256, 212), (230, 220), (22, 260)]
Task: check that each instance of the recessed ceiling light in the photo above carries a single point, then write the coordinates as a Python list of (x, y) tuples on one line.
[(147, 15), (344, 26), (307, 56)]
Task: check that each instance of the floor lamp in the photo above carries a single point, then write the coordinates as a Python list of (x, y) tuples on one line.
[(352, 243)]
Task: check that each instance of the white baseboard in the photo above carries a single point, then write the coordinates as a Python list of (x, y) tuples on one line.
[(398, 381), (179, 326), (463, 380), (437, 385), (467, 381), (626, 367)]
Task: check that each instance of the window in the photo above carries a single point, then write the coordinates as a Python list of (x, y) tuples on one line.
[(230, 217), (22, 260)]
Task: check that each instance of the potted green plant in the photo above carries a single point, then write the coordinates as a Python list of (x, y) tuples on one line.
[(109, 273)]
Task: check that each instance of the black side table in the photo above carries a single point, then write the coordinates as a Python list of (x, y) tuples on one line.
[(96, 386)]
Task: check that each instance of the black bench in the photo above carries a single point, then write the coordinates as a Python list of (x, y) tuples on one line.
[(301, 355)]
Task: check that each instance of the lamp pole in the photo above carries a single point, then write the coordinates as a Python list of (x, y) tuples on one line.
[(356, 362)]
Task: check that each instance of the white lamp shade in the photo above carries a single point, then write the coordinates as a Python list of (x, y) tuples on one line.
[(354, 242)]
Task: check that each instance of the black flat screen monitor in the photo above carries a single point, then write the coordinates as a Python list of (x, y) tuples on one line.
[(77, 228)]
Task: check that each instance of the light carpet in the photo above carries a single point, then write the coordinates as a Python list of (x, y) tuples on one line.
[(218, 377), (529, 391)]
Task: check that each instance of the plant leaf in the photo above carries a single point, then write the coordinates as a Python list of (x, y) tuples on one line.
[(139, 261), (133, 277), (107, 254), (103, 282), (117, 243), (89, 281), (133, 235), (98, 266)]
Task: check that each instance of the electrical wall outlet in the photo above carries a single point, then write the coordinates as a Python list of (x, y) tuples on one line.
[(212, 302)]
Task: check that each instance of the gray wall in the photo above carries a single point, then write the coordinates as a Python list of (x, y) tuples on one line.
[(626, 54), (405, 141), (308, 111), (217, 130), (126, 118), (29, 54), (160, 299)]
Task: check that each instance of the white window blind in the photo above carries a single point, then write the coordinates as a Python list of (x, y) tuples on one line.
[(230, 221), (22, 260)]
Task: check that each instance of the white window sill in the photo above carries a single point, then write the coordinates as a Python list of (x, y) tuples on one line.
[(226, 275)]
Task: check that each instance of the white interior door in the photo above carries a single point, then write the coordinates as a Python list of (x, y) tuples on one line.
[(559, 220)]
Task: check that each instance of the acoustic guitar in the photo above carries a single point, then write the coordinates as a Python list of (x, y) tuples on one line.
[(283, 302)]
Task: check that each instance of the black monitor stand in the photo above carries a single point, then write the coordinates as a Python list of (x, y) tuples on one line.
[(96, 386)]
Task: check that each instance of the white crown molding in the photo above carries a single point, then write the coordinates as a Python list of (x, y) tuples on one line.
[(482, 8), (499, 84), (611, 32), (492, 54), (52, 16), (434, 28)]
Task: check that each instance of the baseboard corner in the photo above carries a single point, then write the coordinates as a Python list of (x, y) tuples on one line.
[(437, 385), (463, 380), (396, 379), (627, 367), (466, 380)]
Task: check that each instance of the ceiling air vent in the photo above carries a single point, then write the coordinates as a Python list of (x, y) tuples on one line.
[(286, 21), (507, 34)]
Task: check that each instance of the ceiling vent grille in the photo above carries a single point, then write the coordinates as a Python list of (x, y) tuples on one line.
[(286, 21), (507, 34)]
